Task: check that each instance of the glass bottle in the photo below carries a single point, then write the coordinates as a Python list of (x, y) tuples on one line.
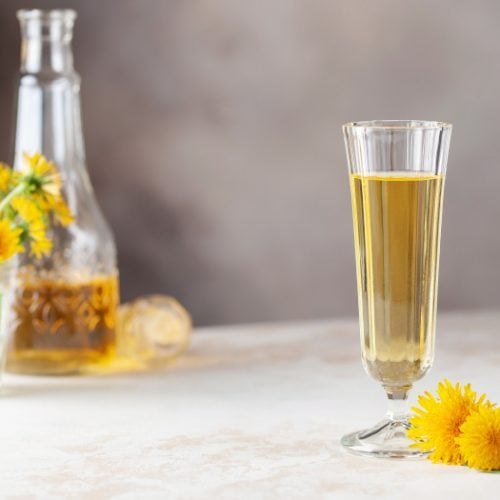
[(64, 313)]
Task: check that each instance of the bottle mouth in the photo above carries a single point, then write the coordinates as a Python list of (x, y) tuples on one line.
[(67, 15), (47, 25), (398, 125)]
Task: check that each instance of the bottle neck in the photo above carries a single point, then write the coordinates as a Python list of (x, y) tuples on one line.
[(46, 56), (48, 100)]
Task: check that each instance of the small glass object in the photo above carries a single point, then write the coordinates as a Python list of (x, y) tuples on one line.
[(151, 332), (64, 307), (397, 172)]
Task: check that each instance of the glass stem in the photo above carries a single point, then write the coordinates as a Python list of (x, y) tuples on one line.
[(398, 406)]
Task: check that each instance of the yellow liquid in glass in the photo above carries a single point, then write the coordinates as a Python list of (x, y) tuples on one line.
[(58, 327), (397, 223)]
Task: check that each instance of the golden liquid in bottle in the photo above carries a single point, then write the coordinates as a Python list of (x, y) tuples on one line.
[(397, 223), (60, 327)]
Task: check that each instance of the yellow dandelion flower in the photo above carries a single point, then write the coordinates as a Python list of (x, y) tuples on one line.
[(437, 422), (41, 247), (42, 179), (5, 177), (62, 213), (40, 244), (29, 201), (10, 240), (38, 165), (480, 439), (27, 209)]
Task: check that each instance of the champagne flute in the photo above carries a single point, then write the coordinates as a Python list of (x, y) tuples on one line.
[(397, 172)]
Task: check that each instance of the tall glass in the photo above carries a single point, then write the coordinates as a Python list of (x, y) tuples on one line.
[(397, 171)]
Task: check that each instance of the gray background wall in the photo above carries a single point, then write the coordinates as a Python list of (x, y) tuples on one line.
[(213, 140)]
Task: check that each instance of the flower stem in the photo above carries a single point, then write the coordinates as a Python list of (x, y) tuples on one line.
[(17, 190)]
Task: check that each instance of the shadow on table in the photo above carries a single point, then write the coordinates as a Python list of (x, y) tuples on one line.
[(255, 348)]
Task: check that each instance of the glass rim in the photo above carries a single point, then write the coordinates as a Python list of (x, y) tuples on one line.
[(397, 125), (47, 14)]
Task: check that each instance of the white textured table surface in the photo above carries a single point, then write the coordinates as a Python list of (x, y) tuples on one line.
[(250, 412)]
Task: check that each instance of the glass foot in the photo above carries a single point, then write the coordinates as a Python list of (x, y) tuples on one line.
[(386, 440)]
